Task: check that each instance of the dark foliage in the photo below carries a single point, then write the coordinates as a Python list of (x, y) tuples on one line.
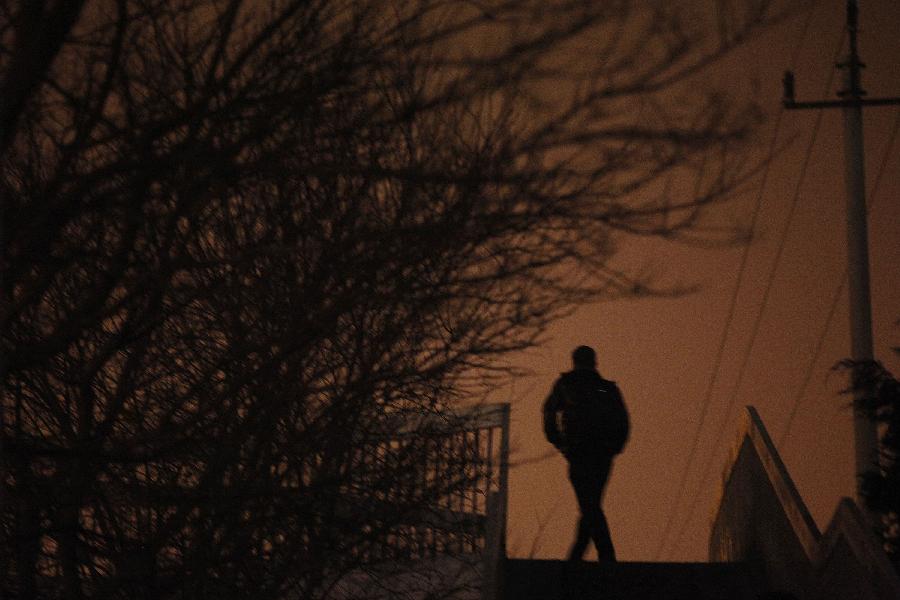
[(880, 401)]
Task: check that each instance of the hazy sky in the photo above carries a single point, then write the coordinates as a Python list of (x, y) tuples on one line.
[(662, 352)]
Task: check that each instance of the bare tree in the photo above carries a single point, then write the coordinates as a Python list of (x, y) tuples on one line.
[(243, 240)]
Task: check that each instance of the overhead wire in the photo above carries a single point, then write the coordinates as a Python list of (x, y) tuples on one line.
[(836, 296), (782, 242), (720, 351)]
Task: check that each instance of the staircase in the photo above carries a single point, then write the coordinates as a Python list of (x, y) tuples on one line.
[(559, 580)]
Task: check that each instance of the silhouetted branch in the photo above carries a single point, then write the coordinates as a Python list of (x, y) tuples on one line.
[(242, 241)]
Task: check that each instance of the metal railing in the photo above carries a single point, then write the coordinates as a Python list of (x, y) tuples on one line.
[(456, 537), (457, 471)]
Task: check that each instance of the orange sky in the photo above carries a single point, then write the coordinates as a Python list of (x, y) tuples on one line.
[(662, 351)]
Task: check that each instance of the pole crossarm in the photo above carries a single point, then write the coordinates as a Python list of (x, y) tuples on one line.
[(853, 95), (791, 104)]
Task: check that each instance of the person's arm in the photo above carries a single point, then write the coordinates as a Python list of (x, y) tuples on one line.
[(551, 407), (624, 424)]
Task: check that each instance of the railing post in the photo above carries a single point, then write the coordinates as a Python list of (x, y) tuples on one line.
[(504, 474), (495, 525)]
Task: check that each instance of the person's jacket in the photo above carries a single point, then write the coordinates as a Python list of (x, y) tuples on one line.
[(585, 416)]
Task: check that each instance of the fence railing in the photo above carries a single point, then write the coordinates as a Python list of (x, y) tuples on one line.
[(454, 471), (458, 535)]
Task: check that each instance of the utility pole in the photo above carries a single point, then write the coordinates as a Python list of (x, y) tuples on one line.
[(851, 102)]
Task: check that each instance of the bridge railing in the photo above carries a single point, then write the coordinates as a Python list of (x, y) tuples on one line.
[(460, 463), (458, 533), (761, 519)]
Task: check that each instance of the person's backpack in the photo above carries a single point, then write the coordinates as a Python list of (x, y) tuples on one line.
[(594, 417)]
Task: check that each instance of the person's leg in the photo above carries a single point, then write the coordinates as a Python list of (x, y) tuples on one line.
[(589, 480), (582, 537), (602, 540), (587, 493), (600, 533)]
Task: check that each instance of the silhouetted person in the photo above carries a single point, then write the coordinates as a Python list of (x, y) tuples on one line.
[(585, 418)]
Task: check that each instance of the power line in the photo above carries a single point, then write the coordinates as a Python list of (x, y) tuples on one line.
[(770, 281), (807, 376), (732, 305), (719, 353), (759, 315), (765, 300)]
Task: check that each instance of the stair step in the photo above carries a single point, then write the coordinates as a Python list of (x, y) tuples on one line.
[(559, 580)]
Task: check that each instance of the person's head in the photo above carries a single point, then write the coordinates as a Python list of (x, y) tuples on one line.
[(584, 357)]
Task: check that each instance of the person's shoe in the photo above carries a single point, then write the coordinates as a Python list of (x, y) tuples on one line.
[(575, 556)]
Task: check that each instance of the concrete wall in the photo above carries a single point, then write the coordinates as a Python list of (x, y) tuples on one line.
[(762, 520), (851, 562)]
